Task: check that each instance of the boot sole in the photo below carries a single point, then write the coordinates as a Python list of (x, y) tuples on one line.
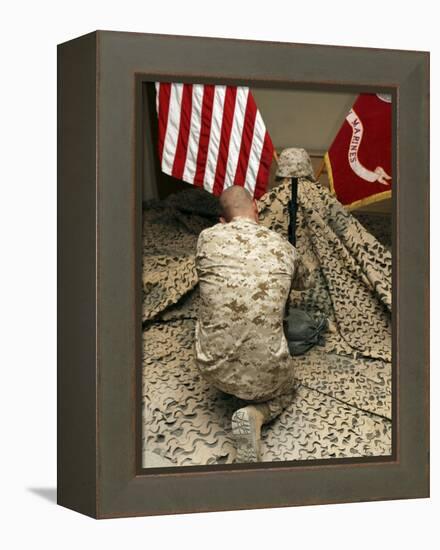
[(246, 438)]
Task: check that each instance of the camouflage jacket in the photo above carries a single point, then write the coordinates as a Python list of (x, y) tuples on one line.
[(245, 273)]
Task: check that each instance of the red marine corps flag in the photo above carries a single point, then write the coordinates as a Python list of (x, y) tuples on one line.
[(213, 137), (359, 159)]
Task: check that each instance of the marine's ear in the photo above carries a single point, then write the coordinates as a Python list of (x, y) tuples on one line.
[(222, 219), (254, 204)]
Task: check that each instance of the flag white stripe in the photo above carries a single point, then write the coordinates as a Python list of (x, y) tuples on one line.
[(255, 153), (214, 137), (157, 96), (194, 133), (172, 132), (236, 134)]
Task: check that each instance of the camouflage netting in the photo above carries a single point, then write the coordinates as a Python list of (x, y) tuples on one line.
[(342, 405)]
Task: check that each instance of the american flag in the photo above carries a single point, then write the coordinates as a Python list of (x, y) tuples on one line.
[(213, 137)]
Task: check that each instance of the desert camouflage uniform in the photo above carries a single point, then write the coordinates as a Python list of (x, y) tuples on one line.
[(245, 273)]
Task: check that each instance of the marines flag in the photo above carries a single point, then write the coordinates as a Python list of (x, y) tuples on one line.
[(359, 160), (213, 137)]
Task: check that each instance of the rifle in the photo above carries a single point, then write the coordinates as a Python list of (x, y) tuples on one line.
[(293, 208)]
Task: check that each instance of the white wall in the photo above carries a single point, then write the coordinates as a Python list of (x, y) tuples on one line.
[(299, 118)]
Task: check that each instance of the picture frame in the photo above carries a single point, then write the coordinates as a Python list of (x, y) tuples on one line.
[(100, 171)]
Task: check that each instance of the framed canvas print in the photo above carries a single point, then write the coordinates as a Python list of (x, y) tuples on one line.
[(243, 274)]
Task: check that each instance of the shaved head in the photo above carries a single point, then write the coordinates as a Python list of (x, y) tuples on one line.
[(237, 201)]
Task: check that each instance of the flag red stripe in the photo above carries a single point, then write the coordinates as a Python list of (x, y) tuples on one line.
[(205, 128), (185, 122), (246, 140), (265, 163), (164, 105), (223, 152)]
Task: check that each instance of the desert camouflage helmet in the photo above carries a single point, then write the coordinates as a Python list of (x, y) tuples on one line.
[(295, 162)]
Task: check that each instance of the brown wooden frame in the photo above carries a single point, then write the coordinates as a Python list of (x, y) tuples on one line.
[(101, 165)]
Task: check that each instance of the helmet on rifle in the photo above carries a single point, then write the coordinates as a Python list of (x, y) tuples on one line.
[(295, 162)]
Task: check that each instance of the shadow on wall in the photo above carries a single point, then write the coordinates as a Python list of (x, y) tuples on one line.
[(48, 493)]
